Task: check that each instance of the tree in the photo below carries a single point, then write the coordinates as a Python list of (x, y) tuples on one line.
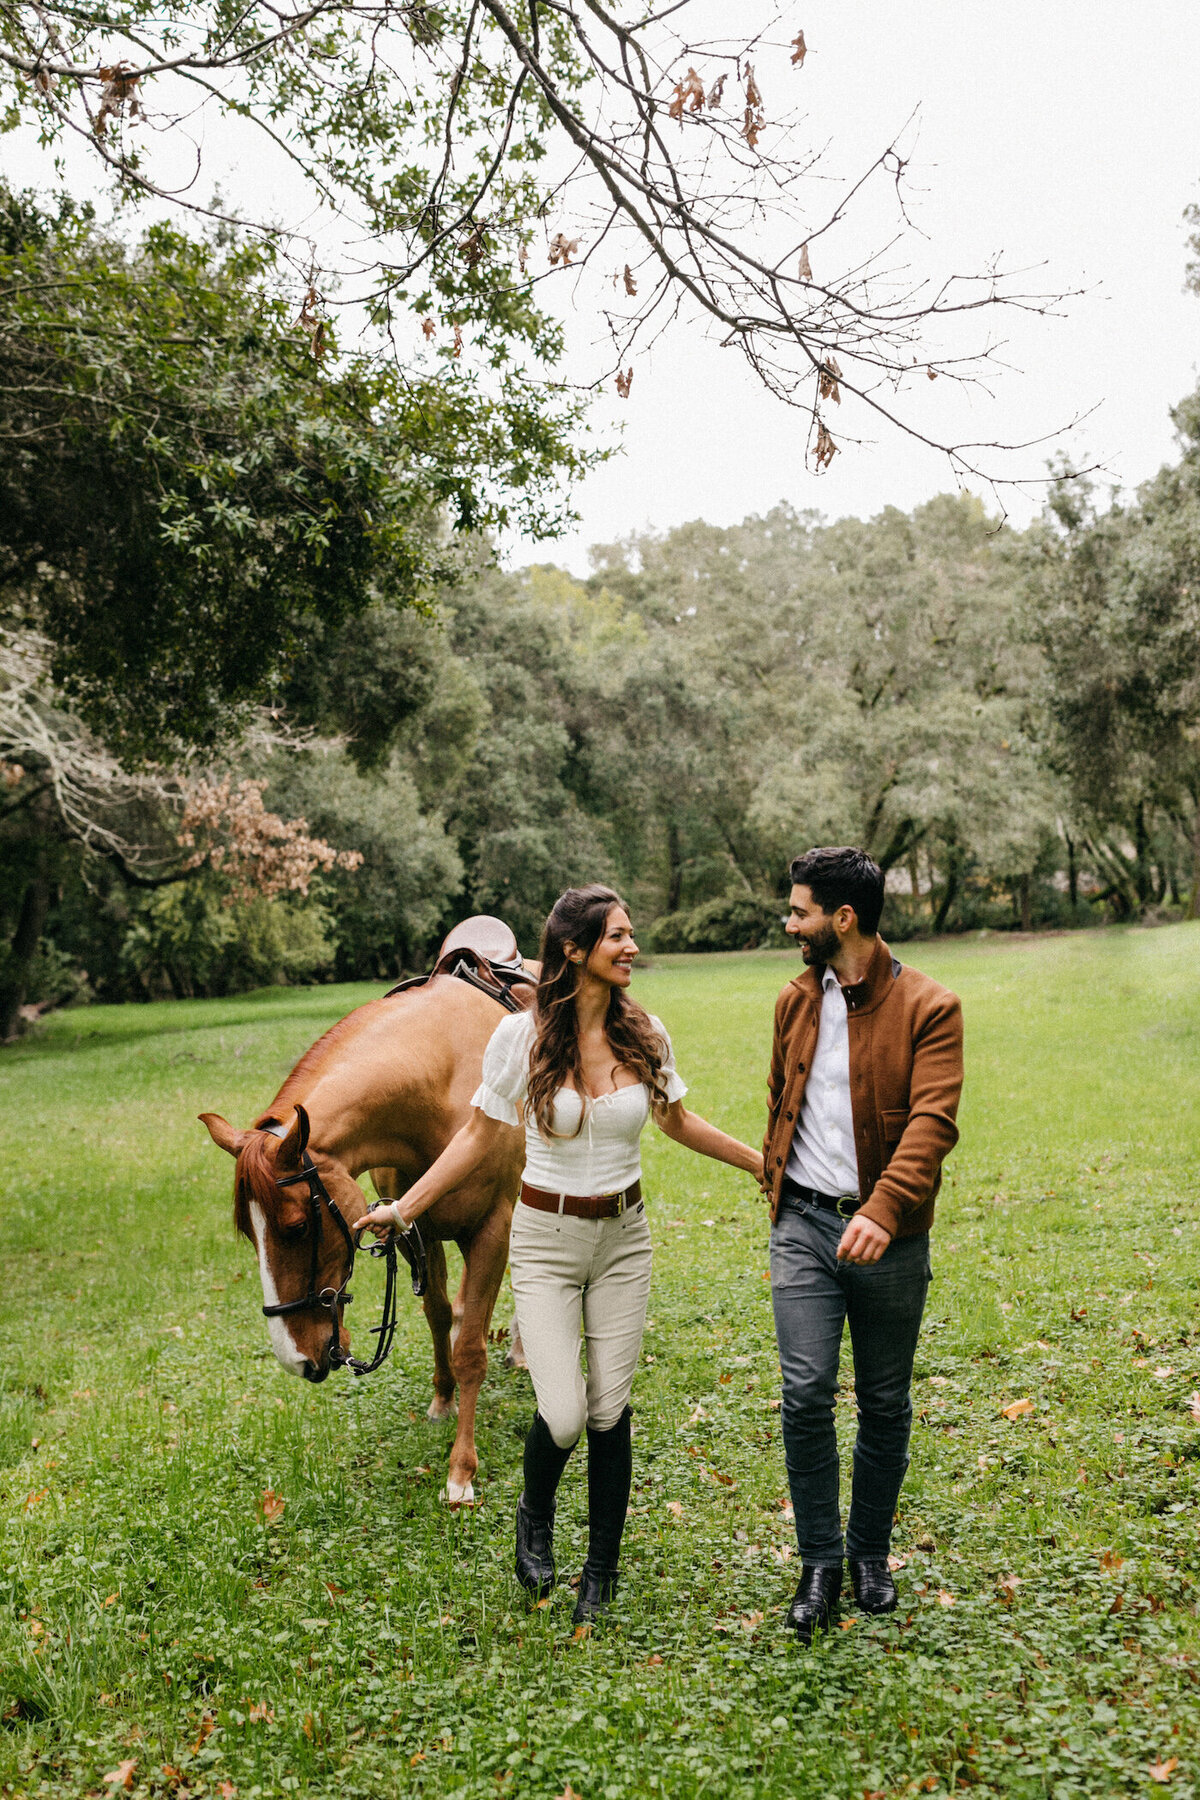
[(451, 140), (188, 497)]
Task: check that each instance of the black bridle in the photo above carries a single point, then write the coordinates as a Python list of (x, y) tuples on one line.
[(333, 1299)]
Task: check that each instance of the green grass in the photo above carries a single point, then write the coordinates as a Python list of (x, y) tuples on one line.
[(152, 1614)]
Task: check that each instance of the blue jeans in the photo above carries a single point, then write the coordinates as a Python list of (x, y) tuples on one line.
[(813, 1296)]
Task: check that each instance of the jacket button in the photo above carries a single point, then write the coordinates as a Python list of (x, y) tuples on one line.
[(779, 1162), (789, 1118), (800, 1067)]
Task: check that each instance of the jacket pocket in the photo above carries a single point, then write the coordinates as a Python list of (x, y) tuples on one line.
[(894, 1123)]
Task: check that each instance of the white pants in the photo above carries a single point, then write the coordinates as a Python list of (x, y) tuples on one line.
[(567, 1273)]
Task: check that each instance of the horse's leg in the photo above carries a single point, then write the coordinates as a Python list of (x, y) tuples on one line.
[(484, 1259), (390, 1185), (515, 1356), (439, 1316)]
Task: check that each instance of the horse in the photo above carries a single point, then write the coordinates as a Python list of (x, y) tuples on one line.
[(384, 1090)]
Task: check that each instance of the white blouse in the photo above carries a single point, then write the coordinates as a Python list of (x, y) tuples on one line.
[(605, 1156)]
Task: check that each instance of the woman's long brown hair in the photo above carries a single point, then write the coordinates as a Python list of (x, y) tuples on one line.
[(580, 917)]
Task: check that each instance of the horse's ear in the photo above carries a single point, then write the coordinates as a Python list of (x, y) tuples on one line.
[(223, 1133), (295, 1143)]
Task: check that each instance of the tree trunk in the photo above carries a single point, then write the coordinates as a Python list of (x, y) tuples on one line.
[(949, 893), (35, 904), (1193, 906), (1025, 901), (1142, 876), (674, 868), (1072, 873)]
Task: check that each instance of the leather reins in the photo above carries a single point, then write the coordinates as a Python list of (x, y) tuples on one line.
[(333, 1299)]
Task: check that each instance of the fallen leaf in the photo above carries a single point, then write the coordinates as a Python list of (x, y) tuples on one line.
[(271, 1506), (122, 1775), (897, 1562), (112, 1599), (227, 1790), (260, 1710), (805, 268), (1110, 1560), (675, 1508), (1163, 1374), (847, 1623), (689, 94), (1163, 1771), (36, 1498), (1017, 1410), (725, 1379), (721, 1479), (171, 1775), (580, 1631), (654, 1662), (418, 1756), (945, 1597), (568, 1793), (1117, 1604), (1078, 1312), (445, 1619), (1007, 1587), (799, 49), (939, 1381), (751, 1622), (695, 1417), (1194, 1406), (207, 1721)]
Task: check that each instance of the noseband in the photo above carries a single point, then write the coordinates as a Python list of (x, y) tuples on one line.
[(331, 1299)]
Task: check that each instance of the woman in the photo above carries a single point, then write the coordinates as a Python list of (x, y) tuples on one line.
[(583, 1070)]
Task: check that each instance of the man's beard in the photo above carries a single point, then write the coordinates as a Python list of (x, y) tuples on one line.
[(819, 946)]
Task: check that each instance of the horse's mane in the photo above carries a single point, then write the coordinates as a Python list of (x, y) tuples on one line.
[(254, 1179)]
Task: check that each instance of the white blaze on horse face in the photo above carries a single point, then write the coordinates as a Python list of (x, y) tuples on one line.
[(281, 1337)]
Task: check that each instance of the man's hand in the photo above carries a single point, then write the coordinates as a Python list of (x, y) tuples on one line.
[(863, 1241)]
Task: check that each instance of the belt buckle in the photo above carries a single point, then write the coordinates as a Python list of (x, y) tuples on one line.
[(845, 1201), (620, 1199)]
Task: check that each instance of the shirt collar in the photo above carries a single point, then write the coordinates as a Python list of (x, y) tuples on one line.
[(829, 978)]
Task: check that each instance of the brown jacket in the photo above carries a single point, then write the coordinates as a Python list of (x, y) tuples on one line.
[(906, 1071)]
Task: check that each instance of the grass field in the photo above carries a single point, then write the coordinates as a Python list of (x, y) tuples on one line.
[(159, 1631)]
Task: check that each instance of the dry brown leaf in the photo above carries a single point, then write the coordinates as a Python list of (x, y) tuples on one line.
[(897, 1562), (624, 382), (568, 1793), (1017, 1410), (428, 327), (654, 1662), (945, 1597), (933, 375), (36, 1498), (473, 246), (826, 449), (227, 1790), (271, 1506), (122, 1775), (1007, 1587), (721, 1480), (751, 1622), (580, 1631), (260, 1710), (630, 283), (1110, 1560), (753, 96), (688, 95), (563, 248), (716, 92), (675, 1508), (457, 351), (1194, 1406), (829, 376), (799, 49), (522, 256), (805, 267), (207, 1721), (752, 124), (1163, 1771)]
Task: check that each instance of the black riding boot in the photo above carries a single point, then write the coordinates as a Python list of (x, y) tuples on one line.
[(544, 1464), (610, 1476)]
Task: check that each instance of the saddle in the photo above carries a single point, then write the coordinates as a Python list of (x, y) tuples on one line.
[(481, 951)]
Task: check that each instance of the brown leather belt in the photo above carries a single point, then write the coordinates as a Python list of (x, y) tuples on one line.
[(583, 1206)]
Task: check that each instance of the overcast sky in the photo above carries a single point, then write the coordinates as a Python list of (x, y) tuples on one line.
[(1064, 137), (1059, 134)]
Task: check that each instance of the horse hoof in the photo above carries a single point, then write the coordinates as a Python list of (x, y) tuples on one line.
[(455, 1495), (442, 1409)]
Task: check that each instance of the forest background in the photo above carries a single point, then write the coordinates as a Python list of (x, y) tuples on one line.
[(271, 710)]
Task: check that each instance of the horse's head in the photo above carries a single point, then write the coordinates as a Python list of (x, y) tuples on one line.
[(302, 1251)]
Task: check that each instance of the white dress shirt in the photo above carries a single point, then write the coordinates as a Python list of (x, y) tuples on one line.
[(600, 1154), (823, 1154)]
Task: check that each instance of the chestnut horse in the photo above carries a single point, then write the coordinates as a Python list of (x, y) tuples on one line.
[(384, 1090)]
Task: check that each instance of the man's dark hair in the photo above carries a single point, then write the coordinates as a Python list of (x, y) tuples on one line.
[(842, 877)]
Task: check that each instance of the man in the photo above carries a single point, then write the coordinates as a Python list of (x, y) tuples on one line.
[(866, 1071)]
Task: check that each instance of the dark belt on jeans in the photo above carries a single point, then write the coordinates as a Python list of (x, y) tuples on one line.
[(844, 1205), (583, 1206)]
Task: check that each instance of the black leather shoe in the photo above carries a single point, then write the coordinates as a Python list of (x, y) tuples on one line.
[(816, 1603), (597, 1589), (874, 1588), (535, 1551)]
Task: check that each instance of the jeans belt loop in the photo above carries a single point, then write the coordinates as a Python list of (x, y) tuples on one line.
[(562, 1201)]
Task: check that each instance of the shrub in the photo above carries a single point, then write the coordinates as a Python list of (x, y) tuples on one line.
[(730, 922)]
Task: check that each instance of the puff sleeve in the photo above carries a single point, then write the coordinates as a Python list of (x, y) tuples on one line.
[(673, 1081), (506, 1070)]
